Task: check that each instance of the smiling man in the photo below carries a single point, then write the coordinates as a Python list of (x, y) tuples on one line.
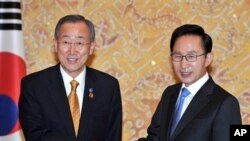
[(197, 109), (71, 101)]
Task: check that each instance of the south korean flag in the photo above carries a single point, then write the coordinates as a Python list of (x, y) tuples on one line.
[(12, 69)]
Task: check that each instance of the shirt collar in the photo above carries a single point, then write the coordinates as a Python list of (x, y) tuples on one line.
[(67, 78), (194, 88)]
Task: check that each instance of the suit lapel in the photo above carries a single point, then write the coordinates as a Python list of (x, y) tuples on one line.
[(87, 104), (169, 100), (59, 96), (199, 101)]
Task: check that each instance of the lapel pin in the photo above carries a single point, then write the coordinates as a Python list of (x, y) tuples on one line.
[(91, 94)]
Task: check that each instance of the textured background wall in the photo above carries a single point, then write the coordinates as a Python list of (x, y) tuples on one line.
[(133, 45)]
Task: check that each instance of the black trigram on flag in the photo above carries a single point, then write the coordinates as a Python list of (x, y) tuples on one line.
[(10, 15)]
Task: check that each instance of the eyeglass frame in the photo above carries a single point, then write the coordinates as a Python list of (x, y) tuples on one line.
[(186, 57), (75, 44)]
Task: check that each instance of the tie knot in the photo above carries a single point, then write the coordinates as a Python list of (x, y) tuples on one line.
[(74, 84), (185, 92)]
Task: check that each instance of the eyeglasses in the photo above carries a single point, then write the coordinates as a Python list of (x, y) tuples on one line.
[(188, 57), (75, 44)]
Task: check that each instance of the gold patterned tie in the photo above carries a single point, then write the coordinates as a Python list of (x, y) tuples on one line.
[(74, 105)]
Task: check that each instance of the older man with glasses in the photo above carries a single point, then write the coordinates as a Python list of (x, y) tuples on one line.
[(71, 101)]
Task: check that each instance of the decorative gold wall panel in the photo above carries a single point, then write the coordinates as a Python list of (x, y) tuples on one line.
[(133, 45)]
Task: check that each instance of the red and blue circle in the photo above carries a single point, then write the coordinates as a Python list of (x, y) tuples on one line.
[(12, 70)]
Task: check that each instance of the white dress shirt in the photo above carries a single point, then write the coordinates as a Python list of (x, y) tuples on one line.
[(80, 89), (193, 89)]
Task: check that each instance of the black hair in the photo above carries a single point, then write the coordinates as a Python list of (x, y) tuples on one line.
[(192, 29)]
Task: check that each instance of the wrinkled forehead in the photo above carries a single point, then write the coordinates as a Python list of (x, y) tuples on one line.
[(74, 31), (72, 37)]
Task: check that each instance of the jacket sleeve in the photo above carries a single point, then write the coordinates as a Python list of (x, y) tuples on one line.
[(115, 119), (30, 116)]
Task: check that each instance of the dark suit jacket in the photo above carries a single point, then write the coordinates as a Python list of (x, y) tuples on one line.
[(207, 118), (44, 111)]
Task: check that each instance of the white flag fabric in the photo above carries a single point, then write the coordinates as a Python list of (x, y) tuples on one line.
[(12, 69)]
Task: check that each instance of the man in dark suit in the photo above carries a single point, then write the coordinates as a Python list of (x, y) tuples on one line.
[(208, 110), (45, 111)]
